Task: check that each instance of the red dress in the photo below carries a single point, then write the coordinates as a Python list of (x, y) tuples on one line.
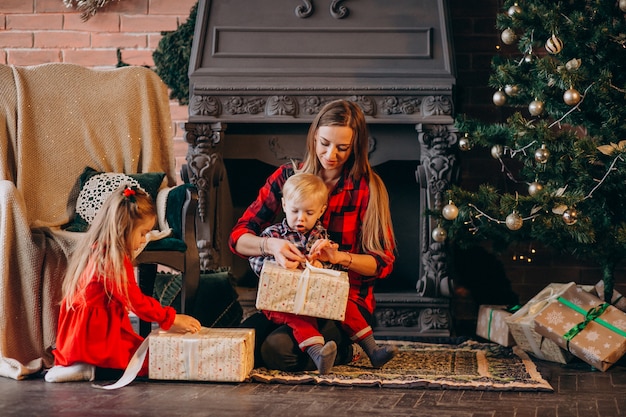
[(97, 330)]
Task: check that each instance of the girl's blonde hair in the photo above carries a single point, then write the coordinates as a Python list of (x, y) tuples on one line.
[(377, 229), (106, 244), (302, 185)]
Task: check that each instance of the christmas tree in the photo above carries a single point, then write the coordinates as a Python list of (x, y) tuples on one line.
[(561, 75)]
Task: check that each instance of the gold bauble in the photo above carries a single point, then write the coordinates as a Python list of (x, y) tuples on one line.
[(571, 97), (439, 234), (499, 98), (508, 36), (514, 221), (534, 187), (542, 154), (570, 216), (554, 45), (465, 144), (450, 211), (513, 10), (511, 90), (535, 107), (622, 5), (497, 151)]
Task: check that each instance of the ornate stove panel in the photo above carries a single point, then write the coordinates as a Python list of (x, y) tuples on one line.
[(260, 71)]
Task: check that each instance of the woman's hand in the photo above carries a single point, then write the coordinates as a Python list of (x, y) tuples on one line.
[(325, 250), (286, 253), (185, 324)]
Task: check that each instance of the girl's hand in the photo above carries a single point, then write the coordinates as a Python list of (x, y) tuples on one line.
[(185, 324), (286, 253)]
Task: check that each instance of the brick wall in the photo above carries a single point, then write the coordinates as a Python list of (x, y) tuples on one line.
[(40, 31)]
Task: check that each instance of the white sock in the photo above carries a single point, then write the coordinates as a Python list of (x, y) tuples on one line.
[(76, 372)]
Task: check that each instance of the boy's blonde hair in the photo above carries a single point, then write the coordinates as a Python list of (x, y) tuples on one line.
[(106, 244), (301, 186)]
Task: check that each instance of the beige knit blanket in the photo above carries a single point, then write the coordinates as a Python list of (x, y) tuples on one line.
[(58, 119)]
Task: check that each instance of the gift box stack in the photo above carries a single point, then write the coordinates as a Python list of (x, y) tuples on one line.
[(212, 354), (312, 292), (561, 322)]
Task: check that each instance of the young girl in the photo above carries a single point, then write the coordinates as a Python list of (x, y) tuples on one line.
[(100, 288)]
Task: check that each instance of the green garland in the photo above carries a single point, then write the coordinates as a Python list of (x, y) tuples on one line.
[(172, 55)]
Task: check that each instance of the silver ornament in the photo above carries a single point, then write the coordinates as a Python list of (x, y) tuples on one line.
[(570, 216), (554, 45), (511, 90), (508, 36), (465, 144), (499, 98), (542, 154), (534, 187), (528, 58), (571, 97), (497, 151), (439, 234), (535, 107), (513, 10), (514, 221), (450, 211)]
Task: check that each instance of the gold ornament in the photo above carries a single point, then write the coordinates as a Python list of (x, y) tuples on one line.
[(570, 216), (573, 64), (513, 10), (535, 107), (439, 234), (511, 90), (464, 143), (534, 187), (622, 5), (528, 58), (508, 36), (554, 45), (571, 97), (450, 211), (542, 154), (514, 221), (499, 98), (497, 151)]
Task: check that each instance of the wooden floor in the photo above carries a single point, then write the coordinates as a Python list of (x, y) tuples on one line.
[(579, 392)]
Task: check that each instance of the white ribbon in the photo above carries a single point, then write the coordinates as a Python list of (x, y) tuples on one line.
[(303, 284), (133, 368), (191, 356)]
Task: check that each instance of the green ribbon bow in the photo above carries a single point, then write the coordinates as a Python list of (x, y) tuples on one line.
[(592, 315)]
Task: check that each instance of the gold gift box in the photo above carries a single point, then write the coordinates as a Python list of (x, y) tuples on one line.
[(212, 354), (600, 339), (314, 292)]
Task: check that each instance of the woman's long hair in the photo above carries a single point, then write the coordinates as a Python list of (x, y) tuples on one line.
[(377, 230), (101, 252)]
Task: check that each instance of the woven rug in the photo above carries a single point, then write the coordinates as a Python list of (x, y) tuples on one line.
[(470, 365)]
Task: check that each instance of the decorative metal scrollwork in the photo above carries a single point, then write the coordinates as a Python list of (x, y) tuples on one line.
[(304, 10), (337, 11)]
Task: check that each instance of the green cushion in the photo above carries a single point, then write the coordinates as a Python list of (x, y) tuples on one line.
[(96, 186)]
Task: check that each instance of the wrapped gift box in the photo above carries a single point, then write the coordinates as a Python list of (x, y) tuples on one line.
[(601, 340), (212, 354), (522, 326), (492, 325), (618, 299), (314, 292)]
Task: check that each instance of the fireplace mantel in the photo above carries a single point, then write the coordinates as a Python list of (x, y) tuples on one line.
[(259, 73)]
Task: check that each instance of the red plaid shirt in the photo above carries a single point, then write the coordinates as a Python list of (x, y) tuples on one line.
[(343, 219)]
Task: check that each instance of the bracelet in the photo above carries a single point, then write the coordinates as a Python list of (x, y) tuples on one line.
[(349, 263), (263, 245)]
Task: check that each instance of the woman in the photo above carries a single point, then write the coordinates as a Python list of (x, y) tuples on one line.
[(358, 221)]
